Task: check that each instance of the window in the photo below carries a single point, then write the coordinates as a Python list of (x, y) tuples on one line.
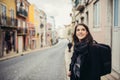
[(18, 5), (116, 12), (12, 16), (3, 13), (18, 22), (23, 24), (96, 14), (26, 9)]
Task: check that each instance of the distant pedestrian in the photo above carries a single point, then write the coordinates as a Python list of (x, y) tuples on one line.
[(69, 46), (85, 62)]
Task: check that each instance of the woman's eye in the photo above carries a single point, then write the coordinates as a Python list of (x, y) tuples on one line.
[(78, 30), (83, 29)]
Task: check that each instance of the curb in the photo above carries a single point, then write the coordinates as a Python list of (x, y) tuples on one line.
[(12, 55)]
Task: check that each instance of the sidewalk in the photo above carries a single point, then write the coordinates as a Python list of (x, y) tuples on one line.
[(11, 55), (68, 60)]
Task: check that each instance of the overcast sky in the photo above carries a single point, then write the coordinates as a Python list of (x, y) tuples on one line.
[(60, 9)]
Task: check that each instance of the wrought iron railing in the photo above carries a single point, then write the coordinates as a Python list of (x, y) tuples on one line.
[(22, 31), (8, 21), (79, 5), (22, 12)]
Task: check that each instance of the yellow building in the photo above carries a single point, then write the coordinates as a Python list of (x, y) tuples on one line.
[(31, 27), (34, 19), (8, 27), (37, 25), (31, 14)]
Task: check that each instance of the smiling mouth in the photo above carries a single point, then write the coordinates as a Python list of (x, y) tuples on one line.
[(80, 35)]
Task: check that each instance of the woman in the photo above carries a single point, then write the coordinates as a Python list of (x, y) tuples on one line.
[(85, 60)]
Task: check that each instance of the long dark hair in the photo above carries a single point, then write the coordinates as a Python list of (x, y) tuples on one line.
[(88, 38)]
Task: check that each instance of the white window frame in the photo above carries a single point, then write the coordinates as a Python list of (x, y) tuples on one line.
[(23, 24), (18, 5), (116, 14), (96, 14)]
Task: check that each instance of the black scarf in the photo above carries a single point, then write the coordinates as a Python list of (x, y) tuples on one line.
[(81, 48)]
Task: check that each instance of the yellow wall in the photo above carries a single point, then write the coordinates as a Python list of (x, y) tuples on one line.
[(34, 17), (10, 4), (31, 14)]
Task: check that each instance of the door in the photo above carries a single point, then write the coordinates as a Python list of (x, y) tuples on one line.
[(20, 44)]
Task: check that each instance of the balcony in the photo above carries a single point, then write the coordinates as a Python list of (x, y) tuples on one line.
[(79, 5), (22, 13), (8, 22), (87, 2), (21, 31)]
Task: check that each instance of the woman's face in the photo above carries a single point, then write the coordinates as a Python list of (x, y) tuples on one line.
[(81, 32)]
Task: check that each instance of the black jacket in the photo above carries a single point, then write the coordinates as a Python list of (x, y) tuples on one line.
[(90, 67)]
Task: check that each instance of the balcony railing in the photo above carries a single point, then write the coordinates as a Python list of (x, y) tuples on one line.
[(22, 31), (22, 12), (79, 5), (8, 22)]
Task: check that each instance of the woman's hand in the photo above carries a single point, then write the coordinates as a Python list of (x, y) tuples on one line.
[(69, 73)]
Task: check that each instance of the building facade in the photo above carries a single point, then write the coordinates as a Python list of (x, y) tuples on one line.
[(49, 34), (22, 8), (43, 29), (69, 32), (8, 27), (37, 27), (31, 27), (22, 27)]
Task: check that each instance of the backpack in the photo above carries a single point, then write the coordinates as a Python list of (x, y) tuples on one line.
[(105, 58)]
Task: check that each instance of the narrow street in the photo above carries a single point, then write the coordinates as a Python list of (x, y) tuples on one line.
[(34, 36), (48, 64)]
